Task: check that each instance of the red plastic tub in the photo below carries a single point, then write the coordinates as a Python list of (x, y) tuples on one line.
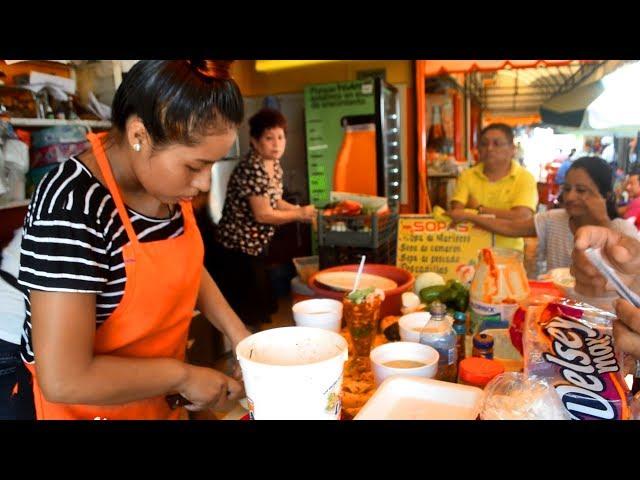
[(393, 297)]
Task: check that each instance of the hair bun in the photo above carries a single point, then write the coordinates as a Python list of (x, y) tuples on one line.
[(218, 69)]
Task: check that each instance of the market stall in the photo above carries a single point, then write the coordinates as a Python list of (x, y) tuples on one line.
[(442, 356), (505, 345), (398, 315)]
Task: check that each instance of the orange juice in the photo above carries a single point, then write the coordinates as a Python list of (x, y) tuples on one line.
[(356, 170)]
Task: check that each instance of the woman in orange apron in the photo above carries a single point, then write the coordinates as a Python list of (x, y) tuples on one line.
[(172, 120)]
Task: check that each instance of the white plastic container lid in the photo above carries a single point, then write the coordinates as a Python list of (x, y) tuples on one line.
[(413, 398)]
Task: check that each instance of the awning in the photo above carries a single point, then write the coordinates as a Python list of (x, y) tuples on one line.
[(570, 109), (618, 107), (608, 106), (516, 88), (439, 67)]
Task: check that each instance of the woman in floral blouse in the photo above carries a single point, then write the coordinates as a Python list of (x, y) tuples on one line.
[(252, 209)]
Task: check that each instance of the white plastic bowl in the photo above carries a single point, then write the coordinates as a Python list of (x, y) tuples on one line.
[(411, 324), (403, 351), (324, 313)]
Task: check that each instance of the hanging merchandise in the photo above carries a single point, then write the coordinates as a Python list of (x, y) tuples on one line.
[(440, 134), (14, 165), (437, 140)]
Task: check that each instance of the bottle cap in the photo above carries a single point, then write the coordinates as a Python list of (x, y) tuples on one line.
[(460, 316), (483, 340), (437, 308), (479, 371)]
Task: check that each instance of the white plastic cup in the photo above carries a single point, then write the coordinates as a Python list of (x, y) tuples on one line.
[(322, 313), (411, 324), (293, 373), (403, 351)]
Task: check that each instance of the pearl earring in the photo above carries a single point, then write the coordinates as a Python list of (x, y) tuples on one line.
[(137, 147)]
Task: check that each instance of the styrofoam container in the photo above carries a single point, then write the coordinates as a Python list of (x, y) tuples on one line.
[(324, 313), (411, 324), (412, 398)]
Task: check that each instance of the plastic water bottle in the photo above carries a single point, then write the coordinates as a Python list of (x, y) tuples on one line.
[(439, 334)]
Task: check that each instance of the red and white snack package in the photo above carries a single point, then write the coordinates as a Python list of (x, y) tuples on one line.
[(570, 345)]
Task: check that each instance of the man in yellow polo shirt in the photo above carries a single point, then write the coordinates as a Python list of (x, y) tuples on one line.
[(498, 185)]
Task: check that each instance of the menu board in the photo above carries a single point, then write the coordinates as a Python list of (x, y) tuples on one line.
[(427, 244)]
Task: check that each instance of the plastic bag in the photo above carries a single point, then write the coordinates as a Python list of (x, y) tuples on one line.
[(514, 396), (570, 345), (16, 164)]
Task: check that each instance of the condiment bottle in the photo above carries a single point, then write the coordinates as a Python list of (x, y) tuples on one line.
[(482, 346), (460, 327)]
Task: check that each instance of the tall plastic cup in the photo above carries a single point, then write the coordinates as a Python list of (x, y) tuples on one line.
[(293, 373)]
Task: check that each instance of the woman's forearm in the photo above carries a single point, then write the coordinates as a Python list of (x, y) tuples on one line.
[(283, 205), (277, 217), (113, 380)]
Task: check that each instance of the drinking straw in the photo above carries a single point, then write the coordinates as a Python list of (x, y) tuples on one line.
[(359, 274)]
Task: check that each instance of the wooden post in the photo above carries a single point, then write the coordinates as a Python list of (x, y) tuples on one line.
[(424, 205)]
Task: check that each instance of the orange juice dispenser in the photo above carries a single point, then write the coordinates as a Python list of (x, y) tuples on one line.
[(353, 140), (355, 170)]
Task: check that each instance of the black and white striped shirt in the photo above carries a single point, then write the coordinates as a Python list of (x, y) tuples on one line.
[(73, 239)]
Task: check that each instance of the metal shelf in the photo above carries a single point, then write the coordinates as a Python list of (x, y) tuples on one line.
[(18, 204), (52, 122)]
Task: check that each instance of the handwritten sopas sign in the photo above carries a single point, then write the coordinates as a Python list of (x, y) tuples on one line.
[(428, 244)]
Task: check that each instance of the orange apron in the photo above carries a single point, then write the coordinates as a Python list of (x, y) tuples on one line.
[(153, 317)]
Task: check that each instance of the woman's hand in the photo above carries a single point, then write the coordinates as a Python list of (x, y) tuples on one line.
[(208, 388), (622, 253), (626, 331), (237, 371), (307, 213)]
